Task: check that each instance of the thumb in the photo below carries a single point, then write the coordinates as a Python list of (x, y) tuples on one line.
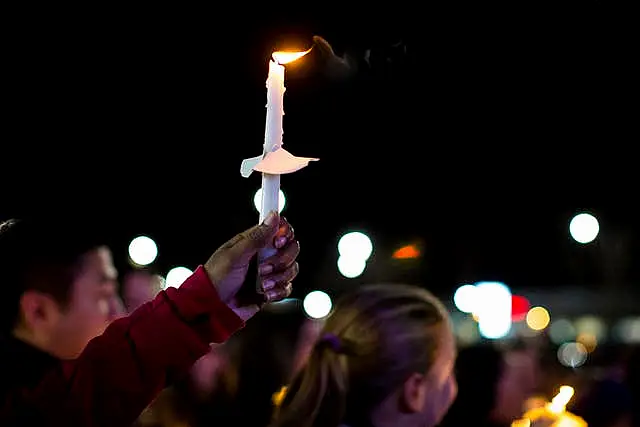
[(324, 47), (259, 236)]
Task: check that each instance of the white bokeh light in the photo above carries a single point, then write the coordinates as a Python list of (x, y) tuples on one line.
[(143, 250), (355, 245), (317, 304), (572, 354), (257, 200), (584, 228), (466, 298), (628, 330), (562, 331), (176, 276), (161, 280), (351, 267), (493, 309), (591, 325)]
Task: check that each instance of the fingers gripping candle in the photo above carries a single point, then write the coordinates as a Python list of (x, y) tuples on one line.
[(274, 160)]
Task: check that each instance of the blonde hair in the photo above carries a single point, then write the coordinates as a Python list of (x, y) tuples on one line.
[(377, 336)]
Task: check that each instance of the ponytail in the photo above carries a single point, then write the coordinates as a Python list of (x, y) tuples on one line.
[(317, 395), (376, 337)]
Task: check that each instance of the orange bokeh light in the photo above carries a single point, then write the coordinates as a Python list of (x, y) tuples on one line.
[(407, 252)]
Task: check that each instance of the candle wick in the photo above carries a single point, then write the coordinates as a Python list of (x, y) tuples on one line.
[(275, 60)]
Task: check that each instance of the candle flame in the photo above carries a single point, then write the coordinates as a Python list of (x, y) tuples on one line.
[(287, 57), (561, 399), (523, 422)]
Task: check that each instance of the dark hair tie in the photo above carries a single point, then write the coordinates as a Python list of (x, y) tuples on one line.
[(332, 341)]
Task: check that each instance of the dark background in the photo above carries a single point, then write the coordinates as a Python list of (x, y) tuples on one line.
[(474, 129)]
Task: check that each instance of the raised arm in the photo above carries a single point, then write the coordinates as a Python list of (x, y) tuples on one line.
[(120, 372)]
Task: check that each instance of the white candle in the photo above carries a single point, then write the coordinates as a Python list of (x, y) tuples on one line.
[(273, 129), (272, 135)]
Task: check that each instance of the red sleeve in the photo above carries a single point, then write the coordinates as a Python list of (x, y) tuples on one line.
[(121, 372)]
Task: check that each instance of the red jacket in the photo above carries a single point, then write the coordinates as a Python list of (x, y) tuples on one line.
[(120, 372)]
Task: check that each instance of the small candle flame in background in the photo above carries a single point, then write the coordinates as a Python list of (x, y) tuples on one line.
[(559, 402), (553, 413), (524, 422), (287, 57)]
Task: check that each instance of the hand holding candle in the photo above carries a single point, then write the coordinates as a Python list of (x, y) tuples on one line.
[(553, 414)]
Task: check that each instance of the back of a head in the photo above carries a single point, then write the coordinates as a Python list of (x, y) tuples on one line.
[(377, 336), (606, 402), (41, 255), (269, 342), (633, 383), (244, 382), (478, 371), (140, 287)]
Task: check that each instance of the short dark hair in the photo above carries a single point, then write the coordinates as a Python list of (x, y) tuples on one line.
[(42, 255)]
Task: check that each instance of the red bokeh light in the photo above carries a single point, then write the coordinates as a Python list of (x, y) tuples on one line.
[(519, 308)]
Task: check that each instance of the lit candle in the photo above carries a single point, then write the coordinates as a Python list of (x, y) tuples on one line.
[(558, 404), (274, 160), (273, 129), (553, 414)]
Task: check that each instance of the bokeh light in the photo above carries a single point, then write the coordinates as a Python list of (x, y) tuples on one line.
[(176, 276), (591, 325), (355, 245), (465, 298), (493, 309), (143, 250), (257, 200), (317, 304), (572, 354), (628, 330), (538, 318), (562, 331), (519, 308), (351, 267), (584, 228), (354, 248)]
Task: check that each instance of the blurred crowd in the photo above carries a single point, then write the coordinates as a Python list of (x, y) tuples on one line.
[(239, 381), (386, 355)]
